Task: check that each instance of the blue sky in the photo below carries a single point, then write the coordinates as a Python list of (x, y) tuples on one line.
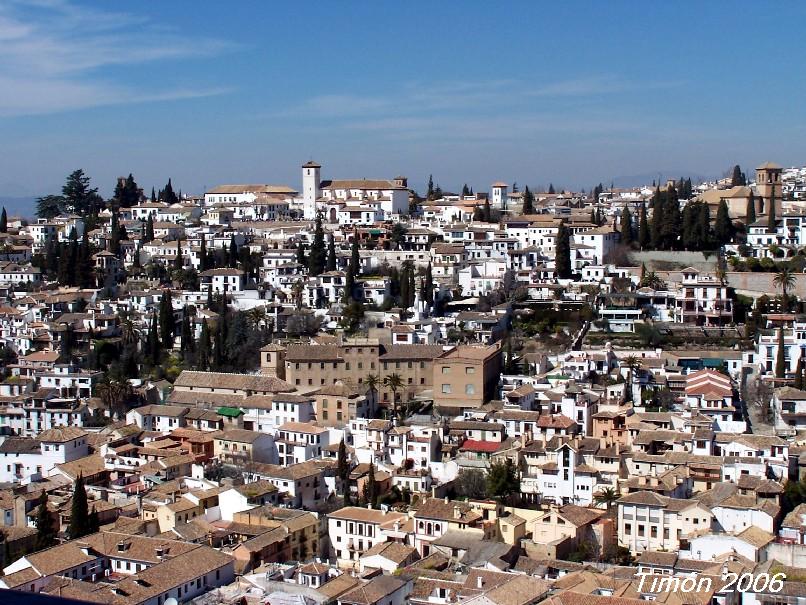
[(566, 92)]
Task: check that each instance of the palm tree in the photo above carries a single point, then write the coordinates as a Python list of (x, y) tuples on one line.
[(633, 364), (257, 316), (394, 382), (608, 496), (114, 392), (372, 381), (785, 280)]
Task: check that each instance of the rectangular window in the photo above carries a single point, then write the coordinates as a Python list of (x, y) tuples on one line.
[(470, 370), (446, 388)]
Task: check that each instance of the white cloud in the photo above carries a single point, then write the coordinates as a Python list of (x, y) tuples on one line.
[(53, 50), (484, 111)]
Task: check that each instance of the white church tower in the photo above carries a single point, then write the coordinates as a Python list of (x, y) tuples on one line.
[(311, 190), (499, 196)]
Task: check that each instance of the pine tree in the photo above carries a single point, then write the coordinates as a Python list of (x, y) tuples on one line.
[(79, 197), (750, 213), (780, 360), (331, 254), (626, 226), (643, 228), (79, 513), (562, 248), (528, 206), (149, 234), (723, 227), (317, 258), (771, 221), (4, 221), (45, 532)]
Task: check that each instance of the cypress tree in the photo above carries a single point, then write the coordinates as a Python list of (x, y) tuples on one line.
[(343, 467), (93, 522), (723, 227), (166, 321), (3, 221), (750, 213), (301, 255), (203, 358), (203, 254), (771, 222), (153, 195), (79, 513), (780, 362), (562, 252), (799, 374), (643, 228), (167, 195), (153, 341), (331, 254), (149, 235), (187, 342), (45, 533), (656, 229), (136, 261), (670, 227), (179, 262), (371, 487), (488, 211), (349, 286), (219, 356), (84, 267), (355, 259), (626, 226), (551, 189), (233, 252), (317, 259), (404, 287), (528, 206), (428, 286)]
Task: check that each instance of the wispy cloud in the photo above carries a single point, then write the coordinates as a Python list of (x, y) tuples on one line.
[(482, 110), (54, 54)]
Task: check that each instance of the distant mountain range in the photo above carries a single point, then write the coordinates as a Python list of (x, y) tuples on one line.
[(19, 206), (646, 179)]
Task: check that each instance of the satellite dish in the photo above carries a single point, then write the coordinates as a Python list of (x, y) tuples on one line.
[(171, 601)]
